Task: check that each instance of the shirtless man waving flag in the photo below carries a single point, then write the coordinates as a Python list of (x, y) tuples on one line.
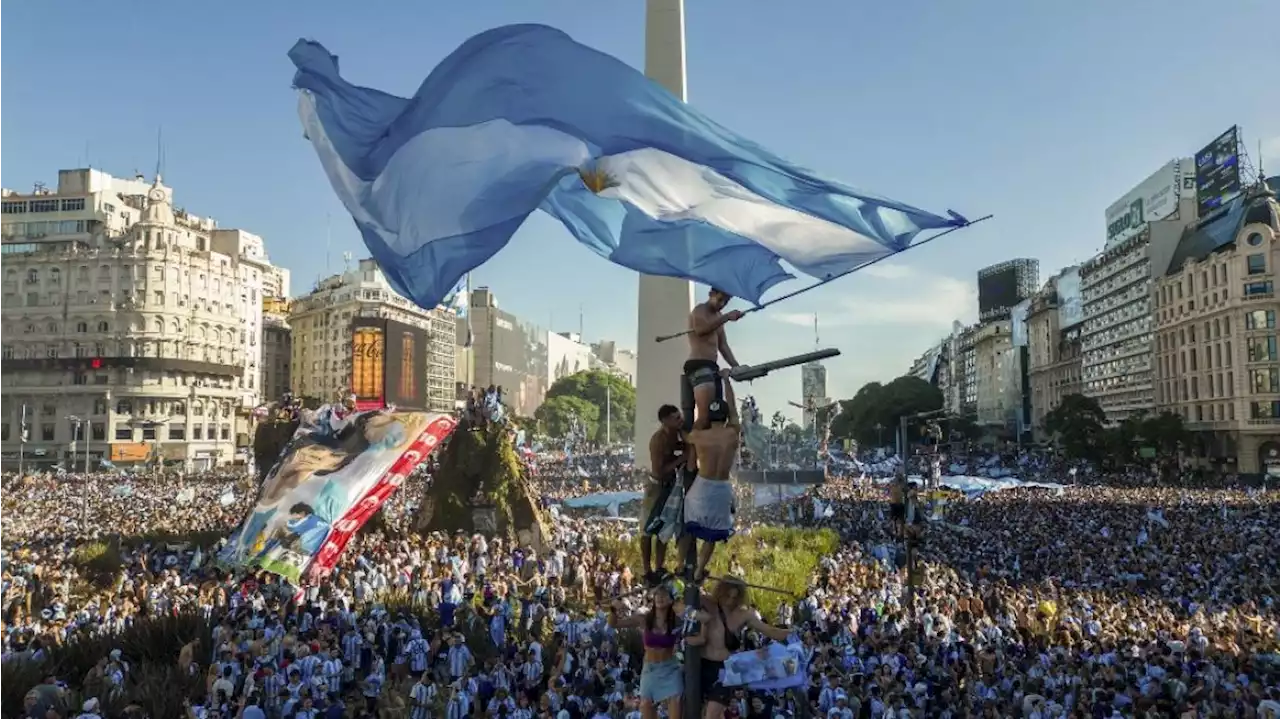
[(706, 344)]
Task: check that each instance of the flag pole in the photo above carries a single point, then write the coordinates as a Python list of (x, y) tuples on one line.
[(833, 278), (22, 440)]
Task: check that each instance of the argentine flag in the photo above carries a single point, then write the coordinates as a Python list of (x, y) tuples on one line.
[(522, 118)]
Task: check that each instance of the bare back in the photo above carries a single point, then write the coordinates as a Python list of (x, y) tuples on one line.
[(716, 450), (704, 347)]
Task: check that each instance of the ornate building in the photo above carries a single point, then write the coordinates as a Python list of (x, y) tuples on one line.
[(1216, 358), (129, 327)]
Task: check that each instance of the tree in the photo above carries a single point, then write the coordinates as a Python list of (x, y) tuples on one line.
[(963, 428), (873, 415), (611, 395), (556, 416), (1077, 425), (1165, 432)]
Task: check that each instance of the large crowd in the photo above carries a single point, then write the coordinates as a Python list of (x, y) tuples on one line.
[(1096, 601)]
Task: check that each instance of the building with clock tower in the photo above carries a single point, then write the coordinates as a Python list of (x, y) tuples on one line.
[(131, 328)]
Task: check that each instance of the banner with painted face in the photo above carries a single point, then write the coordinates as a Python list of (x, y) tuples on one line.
[(334, 474)]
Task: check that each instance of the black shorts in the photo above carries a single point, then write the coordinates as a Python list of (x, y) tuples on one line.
[(701, 372), (898, 511), (712, 689)]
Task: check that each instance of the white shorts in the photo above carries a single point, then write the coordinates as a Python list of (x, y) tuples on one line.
[(709, 510)]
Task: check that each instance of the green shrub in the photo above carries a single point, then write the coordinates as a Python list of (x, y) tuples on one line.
[(100, 558), (151, 646), (781, 557)]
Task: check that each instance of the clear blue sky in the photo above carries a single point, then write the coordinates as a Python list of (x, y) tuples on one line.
[(1040, 112)]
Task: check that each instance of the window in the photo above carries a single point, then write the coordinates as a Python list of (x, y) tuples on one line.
[(98, 432), (1262, 349), (1259, 320), (80, 378), (44, 205), (14, 208), (124, 406), (1266, 381), (73, 205), (226, 431), (104, 327), (1258, 289), (82, 327), (124, 432), (197, 432), (99, 406), (6, 352), (178, 408), (46, 432), (148, 434), (1254, 239), (1256, 264), (1265, 410), (177, 431)]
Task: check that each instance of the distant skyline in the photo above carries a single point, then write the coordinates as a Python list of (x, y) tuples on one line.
[(1042, 114)]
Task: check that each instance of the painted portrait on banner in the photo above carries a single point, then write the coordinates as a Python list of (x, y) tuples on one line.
[(331, 479)]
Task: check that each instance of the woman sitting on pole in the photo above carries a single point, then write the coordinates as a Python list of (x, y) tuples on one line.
[(661, 678)]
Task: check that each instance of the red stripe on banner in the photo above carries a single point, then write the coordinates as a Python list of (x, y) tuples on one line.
[(360, 512)]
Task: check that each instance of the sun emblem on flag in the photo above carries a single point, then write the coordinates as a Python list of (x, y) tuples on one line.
[(596, 178)]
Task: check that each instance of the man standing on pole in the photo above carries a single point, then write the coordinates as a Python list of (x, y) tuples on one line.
[(706, 345)]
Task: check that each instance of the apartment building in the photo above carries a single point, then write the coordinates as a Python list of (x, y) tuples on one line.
[(129, 326), (1216, 358), (321, 331), (1053, 350)]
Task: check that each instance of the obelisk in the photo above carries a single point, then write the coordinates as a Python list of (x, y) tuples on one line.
[(665, 302)]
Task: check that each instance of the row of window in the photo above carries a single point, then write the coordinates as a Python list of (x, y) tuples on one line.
[(21, 207), (47, 432)]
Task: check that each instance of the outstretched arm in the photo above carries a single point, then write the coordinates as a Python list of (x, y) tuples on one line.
[(777, 634)]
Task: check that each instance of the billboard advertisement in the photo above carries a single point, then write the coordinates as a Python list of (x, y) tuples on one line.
[(368, 352), (1155, 198), (129, 452), (388, 364), (1070, 299), (406, 366), (1218, 172), (326, 486), (997, 290), (565, 357)]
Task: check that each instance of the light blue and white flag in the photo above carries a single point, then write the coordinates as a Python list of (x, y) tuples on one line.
[(522, 117)]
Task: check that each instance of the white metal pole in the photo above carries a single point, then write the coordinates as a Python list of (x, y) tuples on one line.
[(608, 415), (88, 425), (22, 439)]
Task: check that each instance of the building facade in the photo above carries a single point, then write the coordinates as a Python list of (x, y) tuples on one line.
[(277, 348), (126, 327), (966, 373), (996, 372), (321, 331), (1216, 359), (1053, 356), (813, 392), (507, 353)]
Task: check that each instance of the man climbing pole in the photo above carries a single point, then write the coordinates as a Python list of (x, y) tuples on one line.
[(706, 345), (666, 458), (709, 504)]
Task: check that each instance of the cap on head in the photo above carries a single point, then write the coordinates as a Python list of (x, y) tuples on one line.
[(718, 411)]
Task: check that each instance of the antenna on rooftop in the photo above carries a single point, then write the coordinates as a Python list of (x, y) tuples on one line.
[(159, 152), (328, 240)]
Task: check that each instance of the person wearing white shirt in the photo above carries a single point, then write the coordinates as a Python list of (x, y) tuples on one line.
[(421, 697)]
